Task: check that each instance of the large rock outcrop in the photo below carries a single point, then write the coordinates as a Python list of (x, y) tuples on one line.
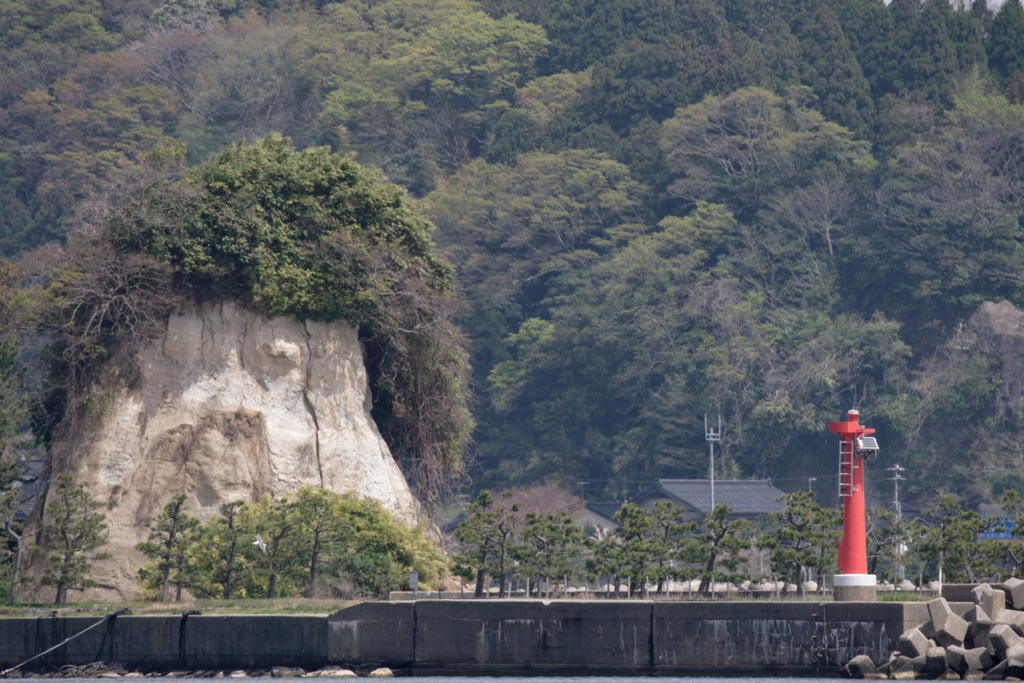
[(229, 405)]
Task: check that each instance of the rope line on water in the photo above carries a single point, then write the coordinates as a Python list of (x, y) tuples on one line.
[(64, 642)]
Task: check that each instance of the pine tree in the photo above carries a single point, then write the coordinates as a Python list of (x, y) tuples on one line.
[(169, 539), (476, 534), (1006, 43), (668, 533), (280, 519), (803, 530), (952, 540), (720, 547), (76, 529), (550, 543), (230, 530), (637, 537), (322, 526)]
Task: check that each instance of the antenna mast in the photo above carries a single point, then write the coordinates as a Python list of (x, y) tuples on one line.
[(711, 436), (897, 476)]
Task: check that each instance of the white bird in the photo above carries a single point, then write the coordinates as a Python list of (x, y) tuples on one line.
[(260, 544)]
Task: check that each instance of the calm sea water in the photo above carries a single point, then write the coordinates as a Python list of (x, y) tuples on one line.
[(515, 679)]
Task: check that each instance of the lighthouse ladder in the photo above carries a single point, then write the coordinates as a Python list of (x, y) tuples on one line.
[(845, 471)]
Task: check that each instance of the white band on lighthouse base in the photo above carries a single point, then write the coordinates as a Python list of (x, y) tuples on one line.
[(854, 580)]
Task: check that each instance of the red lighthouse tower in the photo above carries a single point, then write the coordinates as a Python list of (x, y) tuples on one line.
[(855, 446)]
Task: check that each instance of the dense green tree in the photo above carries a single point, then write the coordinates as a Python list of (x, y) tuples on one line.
[(376, 552), (718, 548), (831, 70), (278, 521), (515, 133), (226, 535), (668, 535), (507, 523), (42, 39), (966, 34), (952, 541), (73, 530), (354, 546), (581, 35), (868, 27), (549, 544), (644, 80), (487, 535), (1005, 45), (476, 534), (739, 148), (930, 65), (887, 536), (638, 542), (170, 537), (801, 538), (607, 560), (509, 229), (952, 194), (322, 525), (984, 15)]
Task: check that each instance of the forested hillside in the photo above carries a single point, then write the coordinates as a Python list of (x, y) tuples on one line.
[(656, 209)]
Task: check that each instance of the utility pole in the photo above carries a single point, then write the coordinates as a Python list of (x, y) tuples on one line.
[(712, 436), (897, 477)]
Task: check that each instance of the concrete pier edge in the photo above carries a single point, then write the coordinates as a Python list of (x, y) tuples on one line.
[(628, 638), (488, 637)]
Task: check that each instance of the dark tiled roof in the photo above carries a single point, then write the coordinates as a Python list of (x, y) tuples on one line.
[(747, 497), (606, 510)]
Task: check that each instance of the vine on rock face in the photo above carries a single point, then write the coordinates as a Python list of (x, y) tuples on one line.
[(304, 234)]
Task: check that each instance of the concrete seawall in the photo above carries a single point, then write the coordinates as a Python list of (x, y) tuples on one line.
[(528, 637), (431, 637), (162, 643)]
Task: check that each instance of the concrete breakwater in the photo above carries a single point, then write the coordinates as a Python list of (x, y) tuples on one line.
[(165, 643), (432, 637)]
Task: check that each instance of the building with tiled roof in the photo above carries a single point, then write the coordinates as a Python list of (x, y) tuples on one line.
[(748, 498)]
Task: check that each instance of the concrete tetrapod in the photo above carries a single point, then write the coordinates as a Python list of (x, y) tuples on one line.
[(985, 641)]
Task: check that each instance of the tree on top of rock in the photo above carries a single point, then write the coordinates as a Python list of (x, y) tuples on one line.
[(309, 235)]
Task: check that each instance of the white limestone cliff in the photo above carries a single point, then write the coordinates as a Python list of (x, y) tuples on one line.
[(229, 405)]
